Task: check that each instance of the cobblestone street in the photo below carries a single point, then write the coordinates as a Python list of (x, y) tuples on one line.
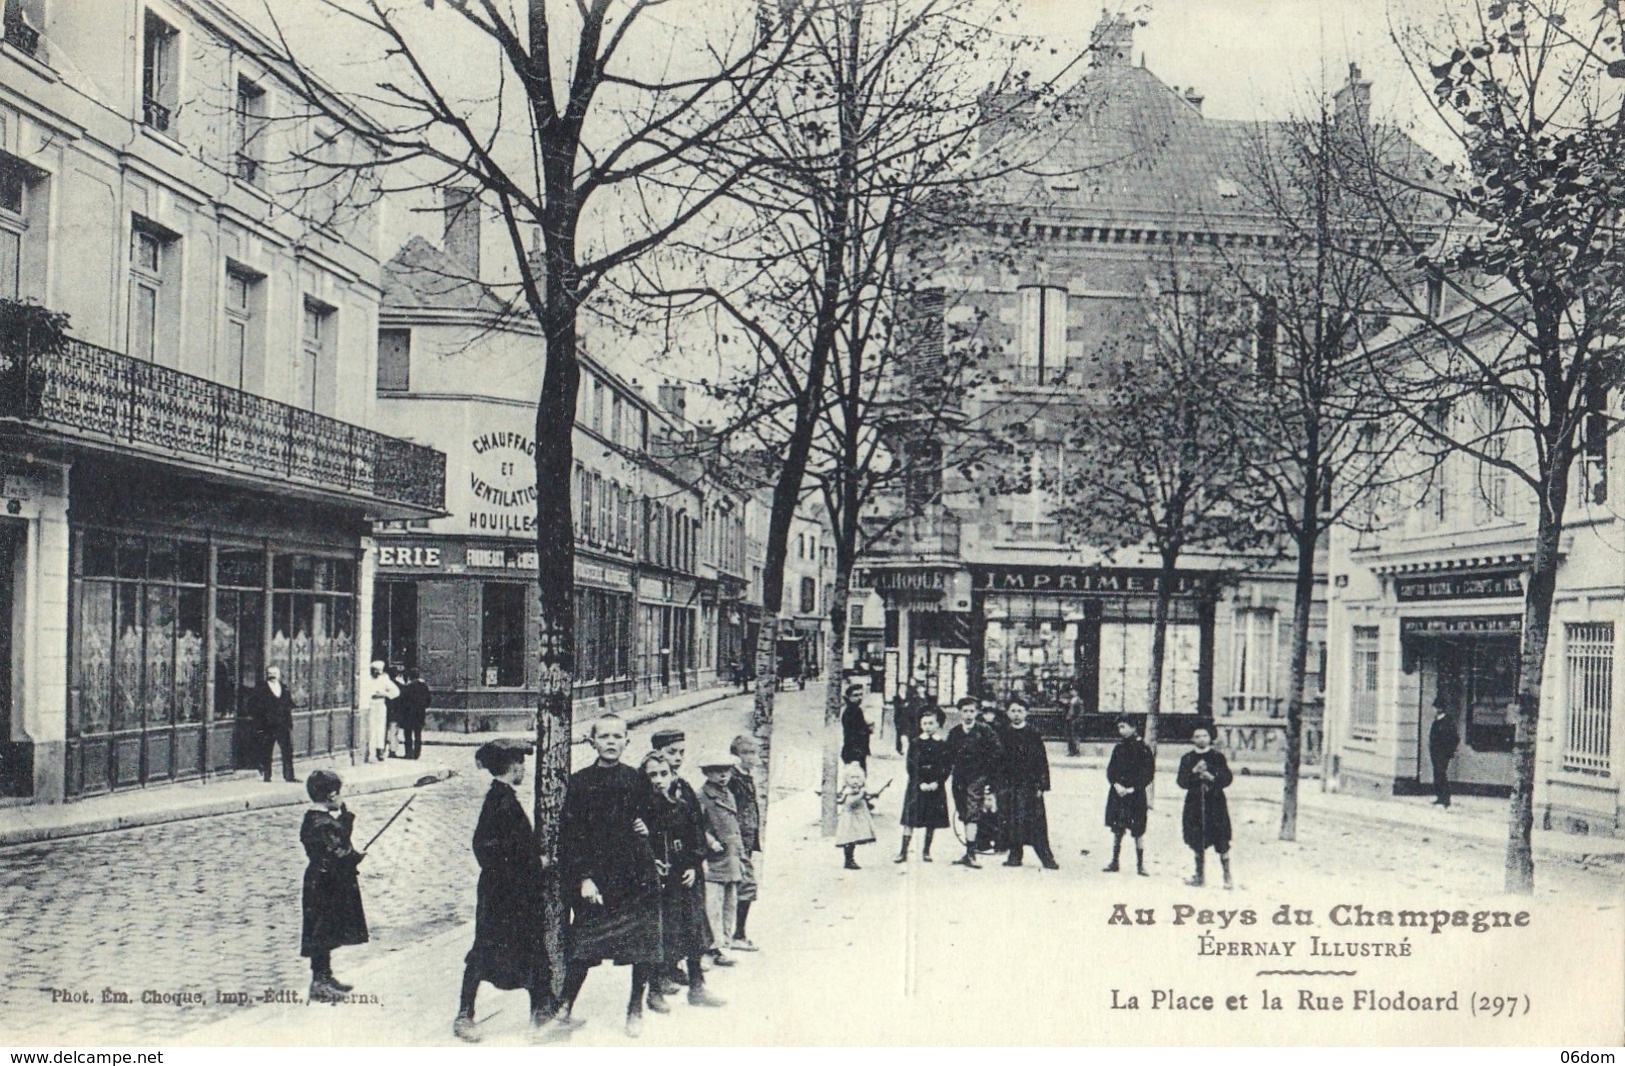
[(211, 905)]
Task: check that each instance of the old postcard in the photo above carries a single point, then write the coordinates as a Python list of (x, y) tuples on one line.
[(811, 522)]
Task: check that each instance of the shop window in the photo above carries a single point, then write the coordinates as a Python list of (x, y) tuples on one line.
[(1588, 733), (138, 659), (395, 623), (239, 627), (160, 72), (502, 635), (1363, 684), (1255, 644), (394, 360), (313, 628)]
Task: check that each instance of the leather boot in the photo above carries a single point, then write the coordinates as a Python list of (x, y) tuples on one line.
[(463, 1029), (1197, 881), (1224, 861), (902, 852), (1139, 860), (1117, 850)]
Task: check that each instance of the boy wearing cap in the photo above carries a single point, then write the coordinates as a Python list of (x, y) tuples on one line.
[(1128, 774), (331, 901), (672, 744), (974, 753), (743, 785), (855, 729), (507, 951), (722, 870)]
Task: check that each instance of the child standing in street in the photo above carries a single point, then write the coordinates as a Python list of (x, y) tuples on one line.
[(925, 801), (855, 822), (722, 870), (507, 949), (331, 902), (743, 785)]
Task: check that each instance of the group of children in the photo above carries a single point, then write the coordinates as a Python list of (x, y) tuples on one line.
[(997, 773), (657, 875)]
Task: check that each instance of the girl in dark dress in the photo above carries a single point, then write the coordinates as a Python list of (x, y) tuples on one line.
[(1128, 775), (678, 839), (1204, 775), (331, 902), (507, 949), (925, 800)]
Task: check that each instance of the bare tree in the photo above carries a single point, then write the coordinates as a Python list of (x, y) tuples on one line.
[(870, 148), (1515, 366), (1161, 461), (586, 124), (1321, 403)]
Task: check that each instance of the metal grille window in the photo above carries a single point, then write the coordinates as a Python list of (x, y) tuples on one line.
[(1363, 684), (1588, 732)]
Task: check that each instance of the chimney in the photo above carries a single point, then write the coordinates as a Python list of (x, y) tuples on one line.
[(674, 400), (1352, 103), (462, 236), (1194, 98), (1113, 40)]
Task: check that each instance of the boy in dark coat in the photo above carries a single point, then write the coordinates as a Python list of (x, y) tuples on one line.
[(974, 752), (331, 902), (1021, 795), (925, 800), (1204, 775), (855, 729), (678, 839), (1128, 774), (672, 744), (905, 715), (743, 785), (609, 873), (507, 949)]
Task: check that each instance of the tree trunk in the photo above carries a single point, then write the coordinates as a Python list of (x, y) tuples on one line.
[(1159, 647), (834, 701), (555, 555), (1303, 597), (1537, 620)]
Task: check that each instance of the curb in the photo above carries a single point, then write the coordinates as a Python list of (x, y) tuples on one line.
[(1460, 832), (12, 837), (578, 734)]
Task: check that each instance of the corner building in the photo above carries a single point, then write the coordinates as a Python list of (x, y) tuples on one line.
[(187, 484)]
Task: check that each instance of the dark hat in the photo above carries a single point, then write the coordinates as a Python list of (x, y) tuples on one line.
[(499, 754), (856, 690), (966, 701), (665, 738), (321, 784)]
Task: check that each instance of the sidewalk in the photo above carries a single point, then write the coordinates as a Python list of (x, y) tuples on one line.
[(245, 791), (634, 716)]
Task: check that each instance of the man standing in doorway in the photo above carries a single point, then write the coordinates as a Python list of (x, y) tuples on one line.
[(1442, 743), (414, 712), (380, 690), (270, 710)]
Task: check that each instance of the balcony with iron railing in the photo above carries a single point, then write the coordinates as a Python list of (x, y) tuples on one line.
[(21, 36), (102, 399)]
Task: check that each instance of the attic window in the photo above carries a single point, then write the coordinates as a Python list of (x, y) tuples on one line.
[(1226, 188)]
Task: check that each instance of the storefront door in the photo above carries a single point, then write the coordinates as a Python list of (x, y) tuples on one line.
[(13, 781), (1475, 679)]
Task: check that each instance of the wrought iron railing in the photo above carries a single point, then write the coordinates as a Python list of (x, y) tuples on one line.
[(22, 36), (129, 401), (155, 114)]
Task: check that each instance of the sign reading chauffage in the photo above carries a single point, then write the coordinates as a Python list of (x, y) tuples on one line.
[(502, 484)]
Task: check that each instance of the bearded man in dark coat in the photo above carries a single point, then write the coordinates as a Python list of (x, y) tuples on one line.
[(508, 951), (609, 872), (1204, 774), (1022, 784), (1129, 773)]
